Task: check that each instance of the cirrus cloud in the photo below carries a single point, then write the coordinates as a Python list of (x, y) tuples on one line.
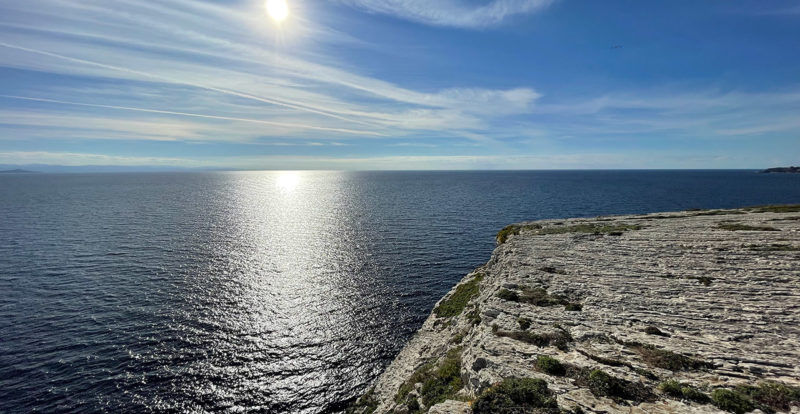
[(452, 13)]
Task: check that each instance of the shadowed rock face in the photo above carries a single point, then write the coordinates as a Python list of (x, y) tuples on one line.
[(708, 299)]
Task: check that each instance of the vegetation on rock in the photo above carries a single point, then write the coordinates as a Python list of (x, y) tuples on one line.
[(744, 227), (367, 404), (517, 395), (550, 365), (662, 358), (683, 391), (732, 401), (455, 304), (439, 383)]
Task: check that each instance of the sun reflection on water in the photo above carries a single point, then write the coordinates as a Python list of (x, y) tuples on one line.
[(287, 181)]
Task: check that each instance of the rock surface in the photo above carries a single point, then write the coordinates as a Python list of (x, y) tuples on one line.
[(710, 299)]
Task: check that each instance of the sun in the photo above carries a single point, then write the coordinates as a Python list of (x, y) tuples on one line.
[(278, 10)]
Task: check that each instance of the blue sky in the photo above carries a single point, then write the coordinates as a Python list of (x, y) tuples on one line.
[(400, 84)]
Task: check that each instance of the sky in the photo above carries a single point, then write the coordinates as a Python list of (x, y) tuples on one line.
[(400, 84)]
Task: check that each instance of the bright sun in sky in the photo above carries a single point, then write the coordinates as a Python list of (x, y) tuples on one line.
[(278, 10)]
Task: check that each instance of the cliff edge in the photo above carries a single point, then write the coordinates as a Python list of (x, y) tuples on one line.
[(695, 312)]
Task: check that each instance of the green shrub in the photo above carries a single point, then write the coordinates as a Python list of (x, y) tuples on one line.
[(671, 388), (602, 384), (773, 395), (661, 358), (367, 404), (682, 391), (732, 401), (550, 365), (455, 304), (508, 295), (439, 382), (524, 323), (516, 395)]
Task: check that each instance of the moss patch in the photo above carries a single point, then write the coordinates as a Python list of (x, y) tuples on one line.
[(517, 395), (455, 304)]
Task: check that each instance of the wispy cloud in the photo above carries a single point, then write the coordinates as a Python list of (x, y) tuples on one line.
[(453, 13), (230, 74)]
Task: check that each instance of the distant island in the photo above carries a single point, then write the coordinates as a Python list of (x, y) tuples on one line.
[(17, 171), (794, 170)]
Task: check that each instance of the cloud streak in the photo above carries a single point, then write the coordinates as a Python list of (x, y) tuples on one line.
[(452, 13), (216, 117)]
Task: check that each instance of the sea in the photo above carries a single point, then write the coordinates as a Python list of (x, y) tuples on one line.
[(273, 291)]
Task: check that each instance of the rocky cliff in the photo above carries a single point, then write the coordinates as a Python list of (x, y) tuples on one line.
[(697, 312)]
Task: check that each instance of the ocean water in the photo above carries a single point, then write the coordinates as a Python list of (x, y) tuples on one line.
[(266, 291)]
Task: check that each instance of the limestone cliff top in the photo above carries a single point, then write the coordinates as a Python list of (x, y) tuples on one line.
[(695, 311)]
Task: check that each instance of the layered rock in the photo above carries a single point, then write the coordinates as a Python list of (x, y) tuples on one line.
[(664, 313)]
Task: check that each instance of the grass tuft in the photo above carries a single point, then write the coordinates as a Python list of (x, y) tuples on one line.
[(455, 304)]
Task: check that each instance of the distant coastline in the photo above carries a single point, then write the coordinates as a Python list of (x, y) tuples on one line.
[(791, 170), (18, 171)]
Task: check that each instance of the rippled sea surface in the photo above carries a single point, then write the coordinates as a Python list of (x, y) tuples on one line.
[(266, 291)]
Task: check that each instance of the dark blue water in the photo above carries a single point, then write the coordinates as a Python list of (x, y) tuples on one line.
[(266, 291)]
